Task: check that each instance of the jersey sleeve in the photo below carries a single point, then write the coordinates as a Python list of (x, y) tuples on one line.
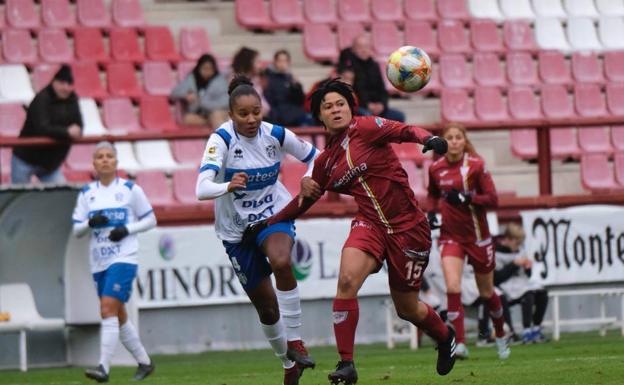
[(297, 147), (380, 131), (140, 204), (486, 191), (214, 154), (81, 211)]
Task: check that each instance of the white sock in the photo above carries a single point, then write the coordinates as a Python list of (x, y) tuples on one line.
[(290, 309), (276, 336), (130, 339), (109, 334)]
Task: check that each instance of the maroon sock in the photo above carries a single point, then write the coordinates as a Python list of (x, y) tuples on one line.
[(346, 315), (433, 325), (455, 314), (496, 312)]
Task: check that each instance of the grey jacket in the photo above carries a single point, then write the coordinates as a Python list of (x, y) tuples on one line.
[(213, 97)]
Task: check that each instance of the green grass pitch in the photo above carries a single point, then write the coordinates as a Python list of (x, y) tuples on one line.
[(580, 358)]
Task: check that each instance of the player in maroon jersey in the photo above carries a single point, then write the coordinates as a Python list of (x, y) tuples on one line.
[(359, 161), (462, 189)]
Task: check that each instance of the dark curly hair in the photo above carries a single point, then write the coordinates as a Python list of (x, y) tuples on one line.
[(331, 85), (241, 85)]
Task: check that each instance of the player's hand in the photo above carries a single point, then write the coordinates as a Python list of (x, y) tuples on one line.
[(238, 182), (74, 131), (433, 220), (118, 233), (309, 190), (98, 220), (437, 144), (251, 232), (457, 198)]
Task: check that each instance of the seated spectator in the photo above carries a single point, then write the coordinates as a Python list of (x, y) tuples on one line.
[(246, 61), (203, 94), (344, 73), (54, 112), (368, 84)]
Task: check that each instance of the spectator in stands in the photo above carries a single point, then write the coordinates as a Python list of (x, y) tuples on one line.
[(203, 94), (54, 112), (246, 62), (512, 277), (284, 93), (368, 83), (345, 74)]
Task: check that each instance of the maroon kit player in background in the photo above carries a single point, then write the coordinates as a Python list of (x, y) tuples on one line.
[(462, 189), (359, 161)]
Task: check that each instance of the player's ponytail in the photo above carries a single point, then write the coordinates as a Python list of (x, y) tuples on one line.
[(241, 85), (332, 85)]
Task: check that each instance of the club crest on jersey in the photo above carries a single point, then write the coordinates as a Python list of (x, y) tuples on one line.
[(464, 170), (119, 197), (345, 143), (271, 151), (92, 198), (379, 122), (238, 153)]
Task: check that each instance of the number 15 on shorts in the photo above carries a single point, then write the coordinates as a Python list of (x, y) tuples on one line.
[(414, 270)]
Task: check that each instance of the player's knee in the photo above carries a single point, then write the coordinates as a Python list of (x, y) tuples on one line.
[(108, 310), (281, 264), (347, 284), (269, 315)]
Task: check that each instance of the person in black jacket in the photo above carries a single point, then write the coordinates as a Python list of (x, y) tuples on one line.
[(284, 93), (369, 85), (54, 113)]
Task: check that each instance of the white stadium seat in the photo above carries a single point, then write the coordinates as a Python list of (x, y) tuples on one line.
[(485, 9), (15, 84), (549, 34), (127, 161), (549, 8), (610, 7), (91, 120), (611, 32), (580, 8), (155, 154), (582, 34), (517, 9)]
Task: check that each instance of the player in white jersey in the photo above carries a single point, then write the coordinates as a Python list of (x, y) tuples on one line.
[(115, 210), (240, 169)]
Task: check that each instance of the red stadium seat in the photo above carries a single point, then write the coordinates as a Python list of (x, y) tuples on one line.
[(253, 14), (127, 13), (556, 103), (12, 117), (17, 46), (421, 34), (564, 143), (454, 71), (194, 42), (614, 66), (42, 75), (354, 10), (184, 68), (386, 38), (523, 104), (159, 44), (119, 115), (93, 13), (596, 175), (421, 10), (87, 81), (386, 10), (456, 106), (291, 173), (617, 137), (320, 11), (286, 13), (586, 68), (524, 143), (553, 68), (184, 186), (157, 78), (57, 14), (415, 177), (409, 151), (452, 37), (89, 45), (54, 46), (319, 42), (22, 14), (618, 165), (518, 36), (489, 104), (124, 45), (80, 157), (156, 113), (487, 70), (589, 101), (156, 187), (122, 80), (615, 98), (188, 151), (485, 36), (595, 139), (347, 32), (521, 69), (453, 9)]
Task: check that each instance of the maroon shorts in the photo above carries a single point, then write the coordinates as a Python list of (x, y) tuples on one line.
[(480, 255), (407, 252)]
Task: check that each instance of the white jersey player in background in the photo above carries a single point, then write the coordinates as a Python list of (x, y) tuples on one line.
[(115, 210), (240, 169)]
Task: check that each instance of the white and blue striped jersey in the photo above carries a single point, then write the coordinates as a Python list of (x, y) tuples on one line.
[(260, 158), (122, 202)]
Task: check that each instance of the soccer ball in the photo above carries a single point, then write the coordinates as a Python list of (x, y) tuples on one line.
[(408, 69)]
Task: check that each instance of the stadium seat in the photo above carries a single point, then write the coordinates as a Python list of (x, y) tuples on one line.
[(320, 11), (610, 31), (487, 70), (521, 69), (194, 42), (22, 14), (564, 143), (518, 36), (347, 32), (586, 68), (589, 101), (119, 115), (42, 75), (452, 37), (409, 151), (523, 104), (615, 99), (126, 160), (291, 173), (319, 42), (157, 78), (549, 34), (156, 114), (127, 13), (556, 103), (421, 10), (421, 34), (91, 120), (354, 11), (253, 14), (454, 71), (57, 14), (188, 151), (15, 84), (415, 178), (610, 7), (17, 46), (385, 38), (456, 106), (155, 154), (386, 10), (485, 9), (156, 187), (93, 13), (453, 9), (124, 45), (595, 140), (617, 138), (12, 117), (89, 45), (184, 186), (122, 80), (582, 34), (580, 8), (523, 143), (618, 165), (549, 8), (485, 36), (87, 81), (596, 175), (184, 68), (159, 44), (286, 13), (517, 9), (80, 157), (54, 46), (489, 104), (553, 68)]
